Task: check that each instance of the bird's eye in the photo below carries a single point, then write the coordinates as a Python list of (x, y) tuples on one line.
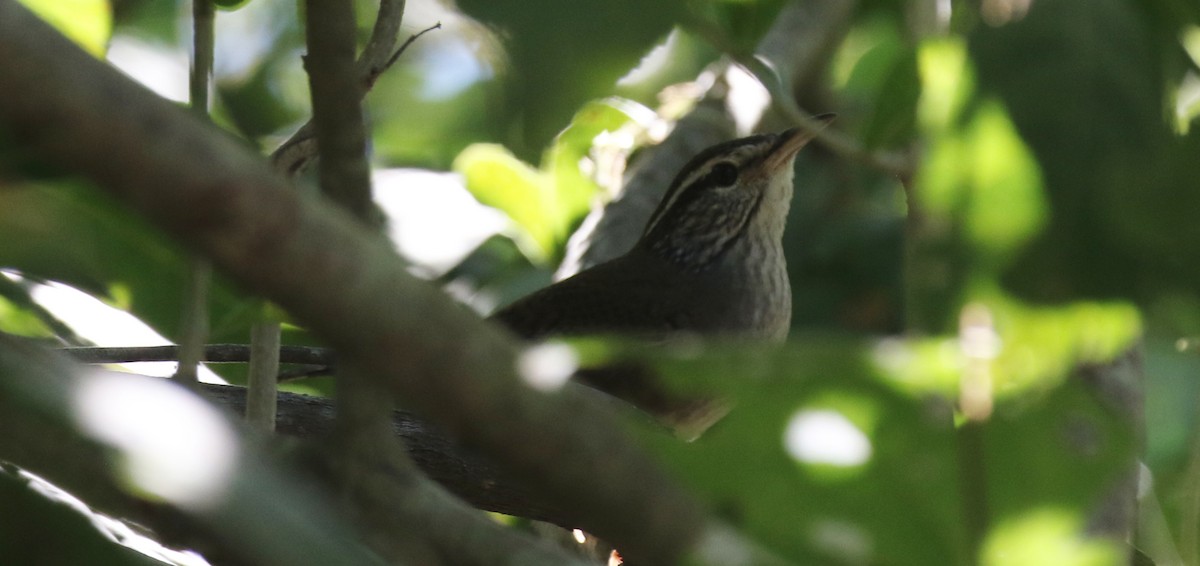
[(724, 174)]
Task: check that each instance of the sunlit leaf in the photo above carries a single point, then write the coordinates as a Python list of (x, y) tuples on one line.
[(1047, 537), (545, 204), (947, 82), (86, 22)]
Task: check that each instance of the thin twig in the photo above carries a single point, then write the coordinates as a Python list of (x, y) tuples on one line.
[(194, 320), (396, 56), (295, 154), (892, 163), (262, 380), (212, 353)]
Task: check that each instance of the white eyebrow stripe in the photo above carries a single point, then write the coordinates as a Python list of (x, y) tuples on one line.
[(738, 157)]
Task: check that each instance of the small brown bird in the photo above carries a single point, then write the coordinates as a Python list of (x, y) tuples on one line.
[(709, 262)]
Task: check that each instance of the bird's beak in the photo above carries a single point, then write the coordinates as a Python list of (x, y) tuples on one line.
[(791, 141)]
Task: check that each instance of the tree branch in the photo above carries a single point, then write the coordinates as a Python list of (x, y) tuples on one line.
[(212, 194), (293, 155), (213, 353)]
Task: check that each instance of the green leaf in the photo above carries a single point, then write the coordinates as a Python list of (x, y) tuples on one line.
[(86, 22), (880, 488), (498, 179), (741, 24), (562, 54), (893, 116), (545, 204)]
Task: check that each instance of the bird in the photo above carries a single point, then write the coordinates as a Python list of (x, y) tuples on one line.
[(709, 262)]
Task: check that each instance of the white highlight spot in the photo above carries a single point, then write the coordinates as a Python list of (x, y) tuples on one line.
[(161, 68), (174, 445), (435, 222), (579, 536), (106, 326), (547, 367), (823, 436)]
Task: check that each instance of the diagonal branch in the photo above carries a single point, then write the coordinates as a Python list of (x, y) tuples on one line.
[(209, 192)]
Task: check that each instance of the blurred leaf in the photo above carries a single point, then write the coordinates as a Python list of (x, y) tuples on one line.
[(947, 83), (1047, 537), (1084, 83), (893, 116), (739, 23), (1053, 465), (821, 459), (68, 233), (19, 321), (499, 180), (1171, 393), (868, 49), (255, 102), (547, 203), (575, 190), (843, 453), (562, 54), (1041, 345), (435, 101), (86, 22), (979, 190), (983, 176), (230, 5)]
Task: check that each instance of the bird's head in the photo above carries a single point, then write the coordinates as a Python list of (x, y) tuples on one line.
[(728, 193)]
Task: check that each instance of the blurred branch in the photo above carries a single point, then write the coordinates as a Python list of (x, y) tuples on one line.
[(254, 516), (470, 477), (209, 192), (841, 144), (213, 353), (362, 443), (194, 323)]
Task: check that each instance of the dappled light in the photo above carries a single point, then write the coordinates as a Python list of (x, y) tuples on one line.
[(823, 436), (980, 345), (547, 367), (1046, 536), (169, 443)]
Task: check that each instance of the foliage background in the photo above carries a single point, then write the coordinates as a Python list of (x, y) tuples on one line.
[(1045, 229)]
